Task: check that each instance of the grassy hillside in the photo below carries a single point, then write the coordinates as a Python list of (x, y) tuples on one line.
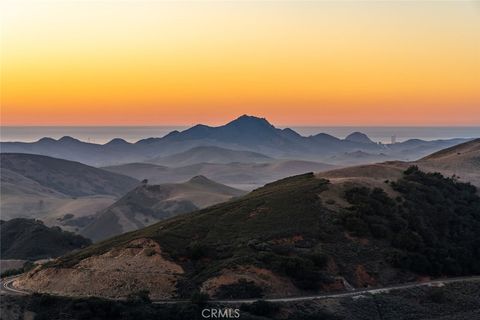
[(468, 149), (31, 240), (66, 177), (148, 204), (294, 229), (462, 160)]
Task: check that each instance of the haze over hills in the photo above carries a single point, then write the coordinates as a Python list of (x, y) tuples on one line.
[(210, 154), (66, 177), (30, 239), (367, 226), (462, 160), (148, 204), (35, 186), (246, 133), (245, 176)]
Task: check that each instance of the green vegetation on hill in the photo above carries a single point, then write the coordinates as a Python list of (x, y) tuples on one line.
[(30, 239), (240, 232), (434, 226)]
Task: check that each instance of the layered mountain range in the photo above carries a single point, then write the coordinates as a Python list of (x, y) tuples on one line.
[(246, 133)]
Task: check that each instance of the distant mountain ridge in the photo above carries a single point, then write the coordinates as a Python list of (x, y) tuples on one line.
[(246, 133)]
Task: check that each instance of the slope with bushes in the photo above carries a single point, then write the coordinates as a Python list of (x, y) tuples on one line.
[(306, 234)]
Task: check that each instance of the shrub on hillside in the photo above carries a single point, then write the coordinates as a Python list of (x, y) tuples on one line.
[(243, 289), (434, 227)]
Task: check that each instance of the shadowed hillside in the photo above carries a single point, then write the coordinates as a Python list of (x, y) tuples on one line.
[(58, 192), (31, 240), (65, 177)]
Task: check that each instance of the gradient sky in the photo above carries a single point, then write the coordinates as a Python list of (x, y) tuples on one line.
[(303, 63)]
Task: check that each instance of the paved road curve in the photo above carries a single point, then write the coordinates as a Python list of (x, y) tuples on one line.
[(8, 288)]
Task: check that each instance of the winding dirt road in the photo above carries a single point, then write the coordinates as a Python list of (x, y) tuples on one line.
[(8, 288)]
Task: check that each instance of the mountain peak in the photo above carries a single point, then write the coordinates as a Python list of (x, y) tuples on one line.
[(250, 121), (325, 137), (200, 179), (47, 139), (358, 137), (68, 139), (117, 141)]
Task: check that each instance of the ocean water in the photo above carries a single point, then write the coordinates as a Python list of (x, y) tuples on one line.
[(96, 134)]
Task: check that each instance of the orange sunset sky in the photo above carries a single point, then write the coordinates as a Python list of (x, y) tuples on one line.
[(295, 63)]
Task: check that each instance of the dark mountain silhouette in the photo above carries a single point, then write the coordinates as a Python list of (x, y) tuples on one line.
[(358, 137), (245, 133)]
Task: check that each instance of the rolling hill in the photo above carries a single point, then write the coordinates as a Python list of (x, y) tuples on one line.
[(66, 177), (246, 176), (462, 160), (30, 239), (365, 226), (148, 204), (34, 186), (210, 154)]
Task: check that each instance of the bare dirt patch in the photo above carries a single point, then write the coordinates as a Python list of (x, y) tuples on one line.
[(363, 279), (272, 284), (116, 273)]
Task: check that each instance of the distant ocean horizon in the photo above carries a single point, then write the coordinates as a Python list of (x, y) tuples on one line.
[(103, 134)]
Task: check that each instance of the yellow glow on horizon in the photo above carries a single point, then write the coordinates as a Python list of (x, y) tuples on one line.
[(381, 63)]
